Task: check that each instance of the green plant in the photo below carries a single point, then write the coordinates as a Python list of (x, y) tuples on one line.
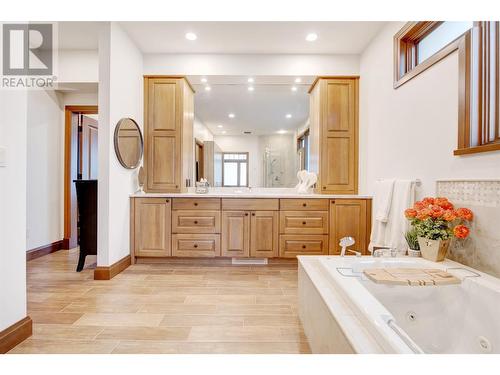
[(412, 239)]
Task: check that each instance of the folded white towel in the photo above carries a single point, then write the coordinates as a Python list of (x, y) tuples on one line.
[(383, 198)]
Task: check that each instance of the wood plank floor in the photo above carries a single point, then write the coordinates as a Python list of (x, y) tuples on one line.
[(162, 308)]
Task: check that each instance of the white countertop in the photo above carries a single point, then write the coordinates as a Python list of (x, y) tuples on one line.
[(249, 193)]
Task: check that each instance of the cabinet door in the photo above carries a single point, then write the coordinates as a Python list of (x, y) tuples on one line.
[(163, 134), (339, 148), (264, 234), (349, 217), (235, 234), (152, 230)]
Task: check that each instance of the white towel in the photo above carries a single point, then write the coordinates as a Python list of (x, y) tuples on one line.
[(383, 198), (391, 233)]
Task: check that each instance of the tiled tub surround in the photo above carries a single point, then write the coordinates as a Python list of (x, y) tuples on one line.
[(482, 249), (342, 311)]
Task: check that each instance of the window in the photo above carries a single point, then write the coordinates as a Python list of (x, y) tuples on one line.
[(419, 45), (235, 169), (479, 128), (303, 150)]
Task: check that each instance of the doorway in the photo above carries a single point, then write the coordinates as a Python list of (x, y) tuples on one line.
[(199, 158), (80, 162)]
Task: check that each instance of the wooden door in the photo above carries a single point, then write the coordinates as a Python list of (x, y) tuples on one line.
[(152, 227), (264, 233), (163, 134), (235, 234), (89, 161), (349, 217), (339, 128)]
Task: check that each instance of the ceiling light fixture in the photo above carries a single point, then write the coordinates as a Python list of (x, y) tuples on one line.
[(208, 88), (281, 131), (220, 126), (231, 115), (191, 36), (223, 132), (288, 115), (294, 88), (203, 80), (311, 37), (250, 88), (298, 80), (250, 80)]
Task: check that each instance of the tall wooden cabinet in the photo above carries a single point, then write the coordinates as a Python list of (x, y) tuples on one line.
[(334, 134), (168, 130)]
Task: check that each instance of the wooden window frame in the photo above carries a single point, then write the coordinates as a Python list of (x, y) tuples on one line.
[(466, 127), (406, 41), (247, 161)]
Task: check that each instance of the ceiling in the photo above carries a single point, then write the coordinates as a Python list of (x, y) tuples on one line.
[(230, 37), (252, 37), (262, 111)]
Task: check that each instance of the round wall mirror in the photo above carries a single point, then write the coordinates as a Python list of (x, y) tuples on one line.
[(128, 143)]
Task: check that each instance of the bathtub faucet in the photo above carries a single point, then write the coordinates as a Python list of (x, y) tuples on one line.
[(344, 243)]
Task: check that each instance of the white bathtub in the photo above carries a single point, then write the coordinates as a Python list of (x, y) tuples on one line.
[(379, 318)]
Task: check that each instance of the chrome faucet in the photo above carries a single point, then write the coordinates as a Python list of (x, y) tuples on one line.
[(344, 243)]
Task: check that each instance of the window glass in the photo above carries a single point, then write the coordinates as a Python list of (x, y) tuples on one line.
[(440, 37), (230, 174), (243, 174)]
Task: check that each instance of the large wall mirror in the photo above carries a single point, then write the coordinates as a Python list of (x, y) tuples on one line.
[(128, 143), (251, 131)]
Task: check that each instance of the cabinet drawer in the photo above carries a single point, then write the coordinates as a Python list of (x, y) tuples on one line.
[(187, 221), (196, 204), (196, 245), (293, 245), (263, 204), (304, 222), (304, 204)]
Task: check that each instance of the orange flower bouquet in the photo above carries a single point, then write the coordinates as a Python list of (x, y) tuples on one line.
[(436, 222)]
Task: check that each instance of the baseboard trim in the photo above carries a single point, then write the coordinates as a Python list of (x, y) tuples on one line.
[(44, 250), (108, 272), (15, 334)]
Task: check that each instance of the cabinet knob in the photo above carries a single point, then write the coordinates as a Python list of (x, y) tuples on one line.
[(246, 213), (195, 245), (304, 204), (196, 203), (167, 200), (303, 246), (332, 202), (253, 213), (303, 223), (324, 187), (196, 221), (176, 186)]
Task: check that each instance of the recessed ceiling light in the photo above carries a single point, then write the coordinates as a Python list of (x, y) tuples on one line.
[(203, 80), (191, 36), (294, 88), (311, 37), (250, 88), (298, 80), (250, 80), (288, 115), (231, 115), (208, 88), (281, 131), (223, 132), (220, 126)]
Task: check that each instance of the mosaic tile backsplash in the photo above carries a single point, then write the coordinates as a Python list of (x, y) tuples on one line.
[(482, 249)]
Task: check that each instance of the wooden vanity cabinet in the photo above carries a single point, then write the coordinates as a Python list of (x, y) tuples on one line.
[(334, 134), (152, 227), (235, 234), (168, 134), (264, 234), (350, 217)]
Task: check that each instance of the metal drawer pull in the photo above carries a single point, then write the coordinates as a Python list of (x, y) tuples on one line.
[(195, 245), (196, 203), (304, 223), (196, 221), (303, 246), (304, 204)]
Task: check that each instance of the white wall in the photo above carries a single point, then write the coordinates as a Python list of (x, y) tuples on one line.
[(45, 189), (78, 66), (411, 132), (200, 131), (120, 95), (247, 64), (13, 119)]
